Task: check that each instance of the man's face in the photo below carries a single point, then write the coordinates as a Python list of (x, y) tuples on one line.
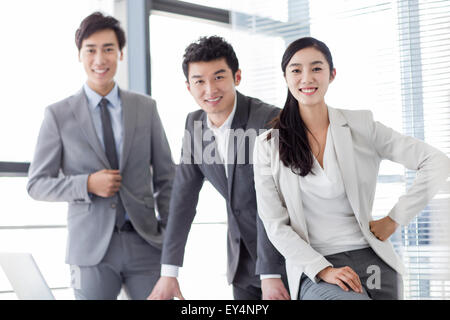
[(100, 55), (213, 87)]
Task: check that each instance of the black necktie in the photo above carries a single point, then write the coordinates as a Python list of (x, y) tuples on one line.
[(111, 154)]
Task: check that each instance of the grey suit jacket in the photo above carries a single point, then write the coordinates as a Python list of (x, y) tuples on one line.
[(244, 226), (68, 150)]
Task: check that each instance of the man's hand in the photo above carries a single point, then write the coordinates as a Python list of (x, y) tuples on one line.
[(273, 289), (343, 277), (383, 228), (165, 289), (104, 183)]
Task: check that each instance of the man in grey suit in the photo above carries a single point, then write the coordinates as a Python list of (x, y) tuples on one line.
[(105, 152), (212, 73)]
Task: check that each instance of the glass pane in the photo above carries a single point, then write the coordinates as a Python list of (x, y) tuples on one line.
[(48, 249), (221, 4), (18, 209), (39, 65), (203, 275), (168, 80), (173, 99)]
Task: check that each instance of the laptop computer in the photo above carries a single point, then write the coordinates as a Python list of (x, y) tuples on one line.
[(25, 276)]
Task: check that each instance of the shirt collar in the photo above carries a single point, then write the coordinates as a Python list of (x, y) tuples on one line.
[(227, 123), (94, 98)]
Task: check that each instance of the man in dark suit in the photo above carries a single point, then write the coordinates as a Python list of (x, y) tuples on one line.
[(217, 146), (104, 151)]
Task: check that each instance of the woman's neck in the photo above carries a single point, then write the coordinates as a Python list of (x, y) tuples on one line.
[(315, 117)]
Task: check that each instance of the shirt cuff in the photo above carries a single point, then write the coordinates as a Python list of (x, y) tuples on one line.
[(314, 268), (270, 276), (168, 270)]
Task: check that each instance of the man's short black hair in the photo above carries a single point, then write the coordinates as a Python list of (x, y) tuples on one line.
[(97, 21), (209, 49)]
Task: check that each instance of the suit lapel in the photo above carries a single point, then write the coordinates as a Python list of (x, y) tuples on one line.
[(80, 109), (129, 114), (234, 144), (344, 151)]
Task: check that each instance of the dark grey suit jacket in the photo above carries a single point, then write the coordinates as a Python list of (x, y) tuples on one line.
[(68, 150), (245, 229)]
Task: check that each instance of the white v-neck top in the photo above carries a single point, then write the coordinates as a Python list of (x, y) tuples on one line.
[(332, 225)]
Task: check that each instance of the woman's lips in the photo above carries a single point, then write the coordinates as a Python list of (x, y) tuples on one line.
[(308, 91)]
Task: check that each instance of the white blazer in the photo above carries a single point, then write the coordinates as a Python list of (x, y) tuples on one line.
[(361, 144)]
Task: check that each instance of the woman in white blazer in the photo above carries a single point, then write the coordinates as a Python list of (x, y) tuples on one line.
[(315, 176)]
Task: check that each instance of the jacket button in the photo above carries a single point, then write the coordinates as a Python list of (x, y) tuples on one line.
[(113, 205)]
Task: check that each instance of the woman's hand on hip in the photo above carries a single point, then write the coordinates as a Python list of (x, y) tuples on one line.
[(383, 228)]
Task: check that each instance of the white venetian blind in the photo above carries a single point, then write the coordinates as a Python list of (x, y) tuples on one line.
[(424, 42), (392, 57)]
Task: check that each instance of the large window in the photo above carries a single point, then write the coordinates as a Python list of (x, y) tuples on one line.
[(39, 66), (392, 58), (205, 259), (205, 256)]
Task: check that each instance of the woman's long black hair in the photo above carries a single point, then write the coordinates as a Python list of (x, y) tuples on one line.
[(295, 151)]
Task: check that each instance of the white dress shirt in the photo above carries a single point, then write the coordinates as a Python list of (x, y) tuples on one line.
[(222, 136), (332, 225)]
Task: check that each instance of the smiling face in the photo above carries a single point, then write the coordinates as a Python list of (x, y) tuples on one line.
[(213, 87), (100, 55), (308, 76)]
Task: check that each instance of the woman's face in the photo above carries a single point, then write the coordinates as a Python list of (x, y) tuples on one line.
[(308, 77)]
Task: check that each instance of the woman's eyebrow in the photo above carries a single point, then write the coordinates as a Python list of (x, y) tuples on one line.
[(296, 64)]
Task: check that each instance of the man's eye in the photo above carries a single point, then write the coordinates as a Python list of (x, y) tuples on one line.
[(295, 70), (198, 82), (219, 77), (317, 69)]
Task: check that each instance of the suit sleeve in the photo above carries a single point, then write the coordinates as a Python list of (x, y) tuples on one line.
[(45, 180), (274, 215), (163, 168), (432, 166), (269, 260), (183, 204), (272, 115)]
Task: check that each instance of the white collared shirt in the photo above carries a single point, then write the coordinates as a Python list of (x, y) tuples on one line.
[(222, 135), (331, 222)]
